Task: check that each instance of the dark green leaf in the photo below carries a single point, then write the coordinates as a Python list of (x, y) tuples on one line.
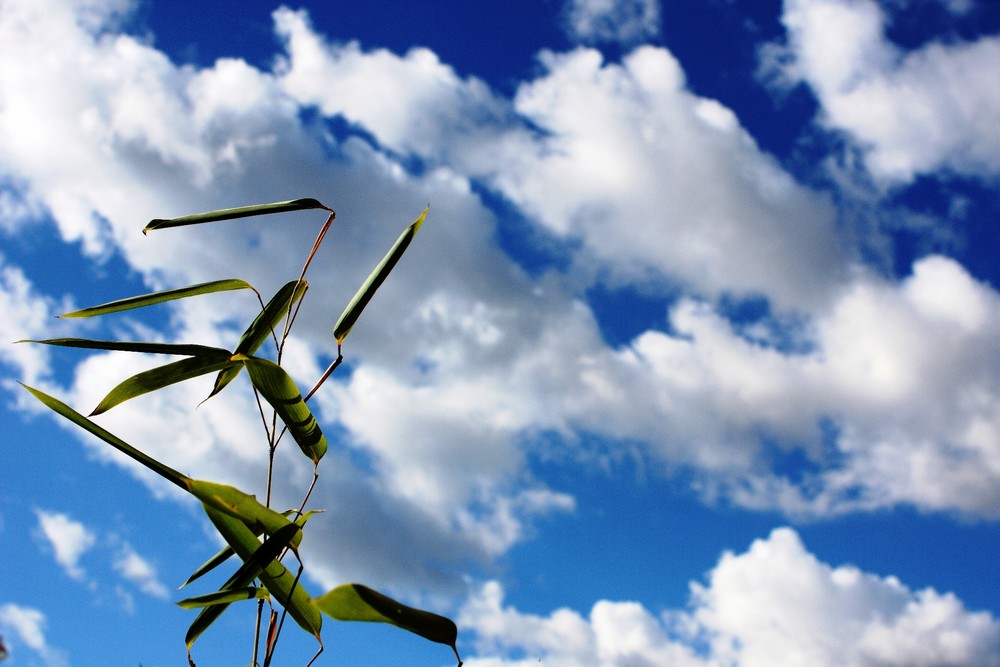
[(163, 376), (280, 391), (72, 415), (375, 280), (130, 346), (262, 327), (159, 297), (233, 213), (221, 597)]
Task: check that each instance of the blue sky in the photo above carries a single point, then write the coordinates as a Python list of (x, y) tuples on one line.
[(695, 361)]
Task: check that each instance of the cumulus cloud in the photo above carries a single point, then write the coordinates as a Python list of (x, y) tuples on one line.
[(464, 357), (133, 567), (624, 21), (28, 624), (775, 604), (910, 113), (68, 539)]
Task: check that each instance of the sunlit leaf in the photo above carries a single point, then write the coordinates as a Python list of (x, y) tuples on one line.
[(159, 297), (221, 597), (278, 389), (227, 552), (262, 327), (135, 346), (375, 280), (72, 415), (243, 506), (354, 602), (233, 213), (276, 578), (236, 587), (163, 376)]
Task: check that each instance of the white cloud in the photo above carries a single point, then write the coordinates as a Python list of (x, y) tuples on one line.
[(27, 315), (625, 21), (139, 571), (910, 113), (775, 604), (69, 540), (29, 626)]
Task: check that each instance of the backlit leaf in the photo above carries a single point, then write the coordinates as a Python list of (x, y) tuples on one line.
[(159, 297), (374, 281), (233, 213), (278, 389), (163, 376)]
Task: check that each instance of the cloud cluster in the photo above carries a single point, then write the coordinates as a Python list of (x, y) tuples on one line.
[(28, 624), (910, 113), (773, 605), (886, 388)]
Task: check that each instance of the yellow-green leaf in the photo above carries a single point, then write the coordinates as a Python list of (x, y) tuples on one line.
[(375, 279), (221, 597), (276, 578), (159, 297), (275, 385), (243, 506), (354, 602), (233, 213)]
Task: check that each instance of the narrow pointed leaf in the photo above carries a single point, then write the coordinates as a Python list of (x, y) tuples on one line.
[(227, 551), (375, 280), (135, 346), (243, 506), (262, 327), (159, 297), (276, 578), (354, 602), (236, 587), (163, 376), (275, 385), (222, 597), (72, 415), (233, 213)]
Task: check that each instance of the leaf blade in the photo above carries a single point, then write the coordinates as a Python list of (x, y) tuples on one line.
[(280, 391), (234, 213), (134, 346), (153, 298), (375, 279), (162, 376)]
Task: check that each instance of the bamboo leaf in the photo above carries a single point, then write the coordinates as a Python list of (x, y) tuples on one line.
[(280, 391), (163, 376), (354, 602), (243, 506), (276, 578), (261, 328), (159, 297), (233, 213), (222, 597), (135, 346), (375, 280), (72, 415), (236, 587), (227, 551)]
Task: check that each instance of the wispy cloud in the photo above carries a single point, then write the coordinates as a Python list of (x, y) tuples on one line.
[(28, 625), (69, 540)]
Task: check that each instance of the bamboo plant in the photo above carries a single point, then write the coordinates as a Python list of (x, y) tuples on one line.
[(262, 538)]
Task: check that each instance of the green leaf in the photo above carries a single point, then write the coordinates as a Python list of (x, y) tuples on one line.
[(237, 586), (262, 327), (354, 602), (276, 578), (130, 346), (227, 551), (243, 506), (280, 391), (163, 376), (72, 415), (375, 280), (233, 213), (159, 297), (221, 597)]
